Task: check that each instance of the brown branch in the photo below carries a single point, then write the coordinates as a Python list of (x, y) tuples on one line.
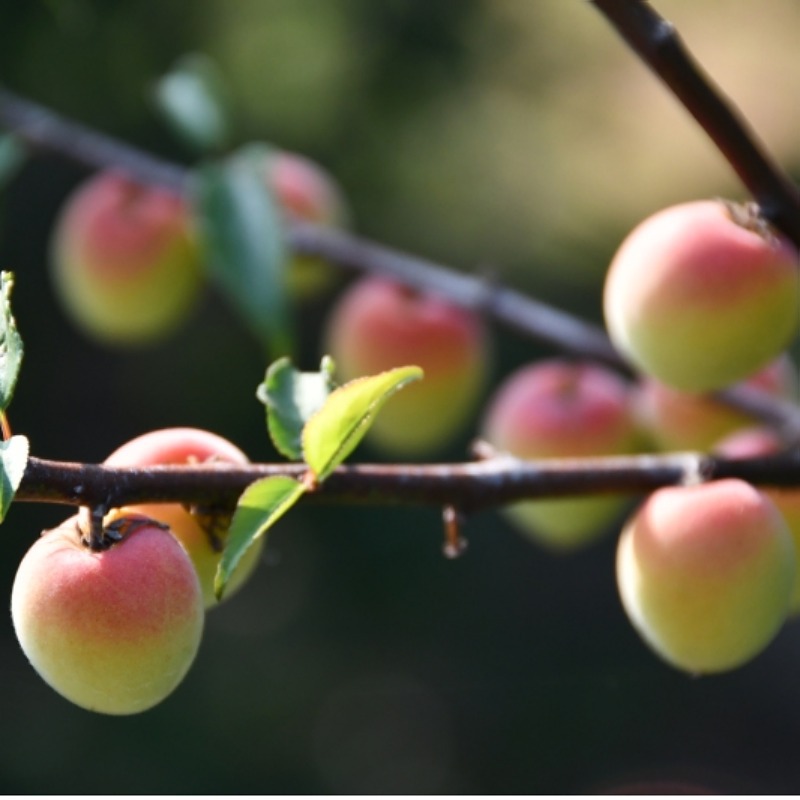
[(46, 130), (491, 482), (657, 43)]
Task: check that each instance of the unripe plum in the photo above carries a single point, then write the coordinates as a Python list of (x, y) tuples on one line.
[(190, 446), (759, 441), (113, 631), (699, 296), (676, 420), (705, 573), (307, 193), (560, 409), (124, 261), (378, 324)]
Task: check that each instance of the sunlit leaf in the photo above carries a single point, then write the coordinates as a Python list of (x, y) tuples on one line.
[(13, 460), (261, 505), (194, 102), (292, 398), (10, 343), (245, 253), (336, 429)]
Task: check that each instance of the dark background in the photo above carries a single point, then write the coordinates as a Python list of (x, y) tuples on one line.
[(518, 138)]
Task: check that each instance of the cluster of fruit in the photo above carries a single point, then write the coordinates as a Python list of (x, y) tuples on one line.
[(116, 629), (698, 297), (126, 257)]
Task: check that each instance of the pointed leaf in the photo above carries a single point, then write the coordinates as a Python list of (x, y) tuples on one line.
[(193, 100), (337, 428), (241, 228), (13, 460), (10, 343), (261, 505), (292, 398)]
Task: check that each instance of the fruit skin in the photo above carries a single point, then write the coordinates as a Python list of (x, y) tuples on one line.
[(187, 446), (705, 574), (675, 420), (561, 409), (378, 324), (306, 193), (699, 300), (758, 441), (124, 261), (113, 631)]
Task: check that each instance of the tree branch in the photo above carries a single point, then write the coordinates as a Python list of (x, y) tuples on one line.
[(657, 43), (491, 482), (46, 130)]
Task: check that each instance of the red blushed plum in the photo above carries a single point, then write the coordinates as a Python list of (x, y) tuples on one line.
[(379, 324), (675, 420), (307, 193), (203, 537), (124, 261), (113, 631), (560, 409), (706, 574), (699, 297), (755, 442)]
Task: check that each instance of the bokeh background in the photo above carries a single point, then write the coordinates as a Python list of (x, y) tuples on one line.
[(521, 139)]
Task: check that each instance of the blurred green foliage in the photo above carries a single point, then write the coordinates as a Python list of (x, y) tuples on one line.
[(516, 138)]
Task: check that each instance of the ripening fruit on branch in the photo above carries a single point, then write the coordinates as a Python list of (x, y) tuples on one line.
[(378, 324), (307, 193), (201, 531), (676, 420), (113, 631), (706, 574), (752, 443), (124, 261), (560, 409), (699, 297)]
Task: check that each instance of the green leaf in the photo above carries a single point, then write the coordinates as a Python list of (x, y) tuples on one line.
[(12, 156), (193, 99), (13, 460), (261, 505), (292, 398), (337, 428), (241, 227), (10, 343)]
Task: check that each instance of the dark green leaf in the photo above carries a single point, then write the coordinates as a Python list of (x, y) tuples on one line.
[(261, 505), (12, 157), (336, 429), (194, 102), (10, 343), (292, 398), (245, 253), (13, 460)]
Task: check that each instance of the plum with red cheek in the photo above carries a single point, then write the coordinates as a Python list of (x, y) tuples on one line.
[(378, 324), (675, 420), (202, 534), (759, 441), (307, 193), (124, 260), (699, 296), (560, 409), (113, 631), (706, 574)]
